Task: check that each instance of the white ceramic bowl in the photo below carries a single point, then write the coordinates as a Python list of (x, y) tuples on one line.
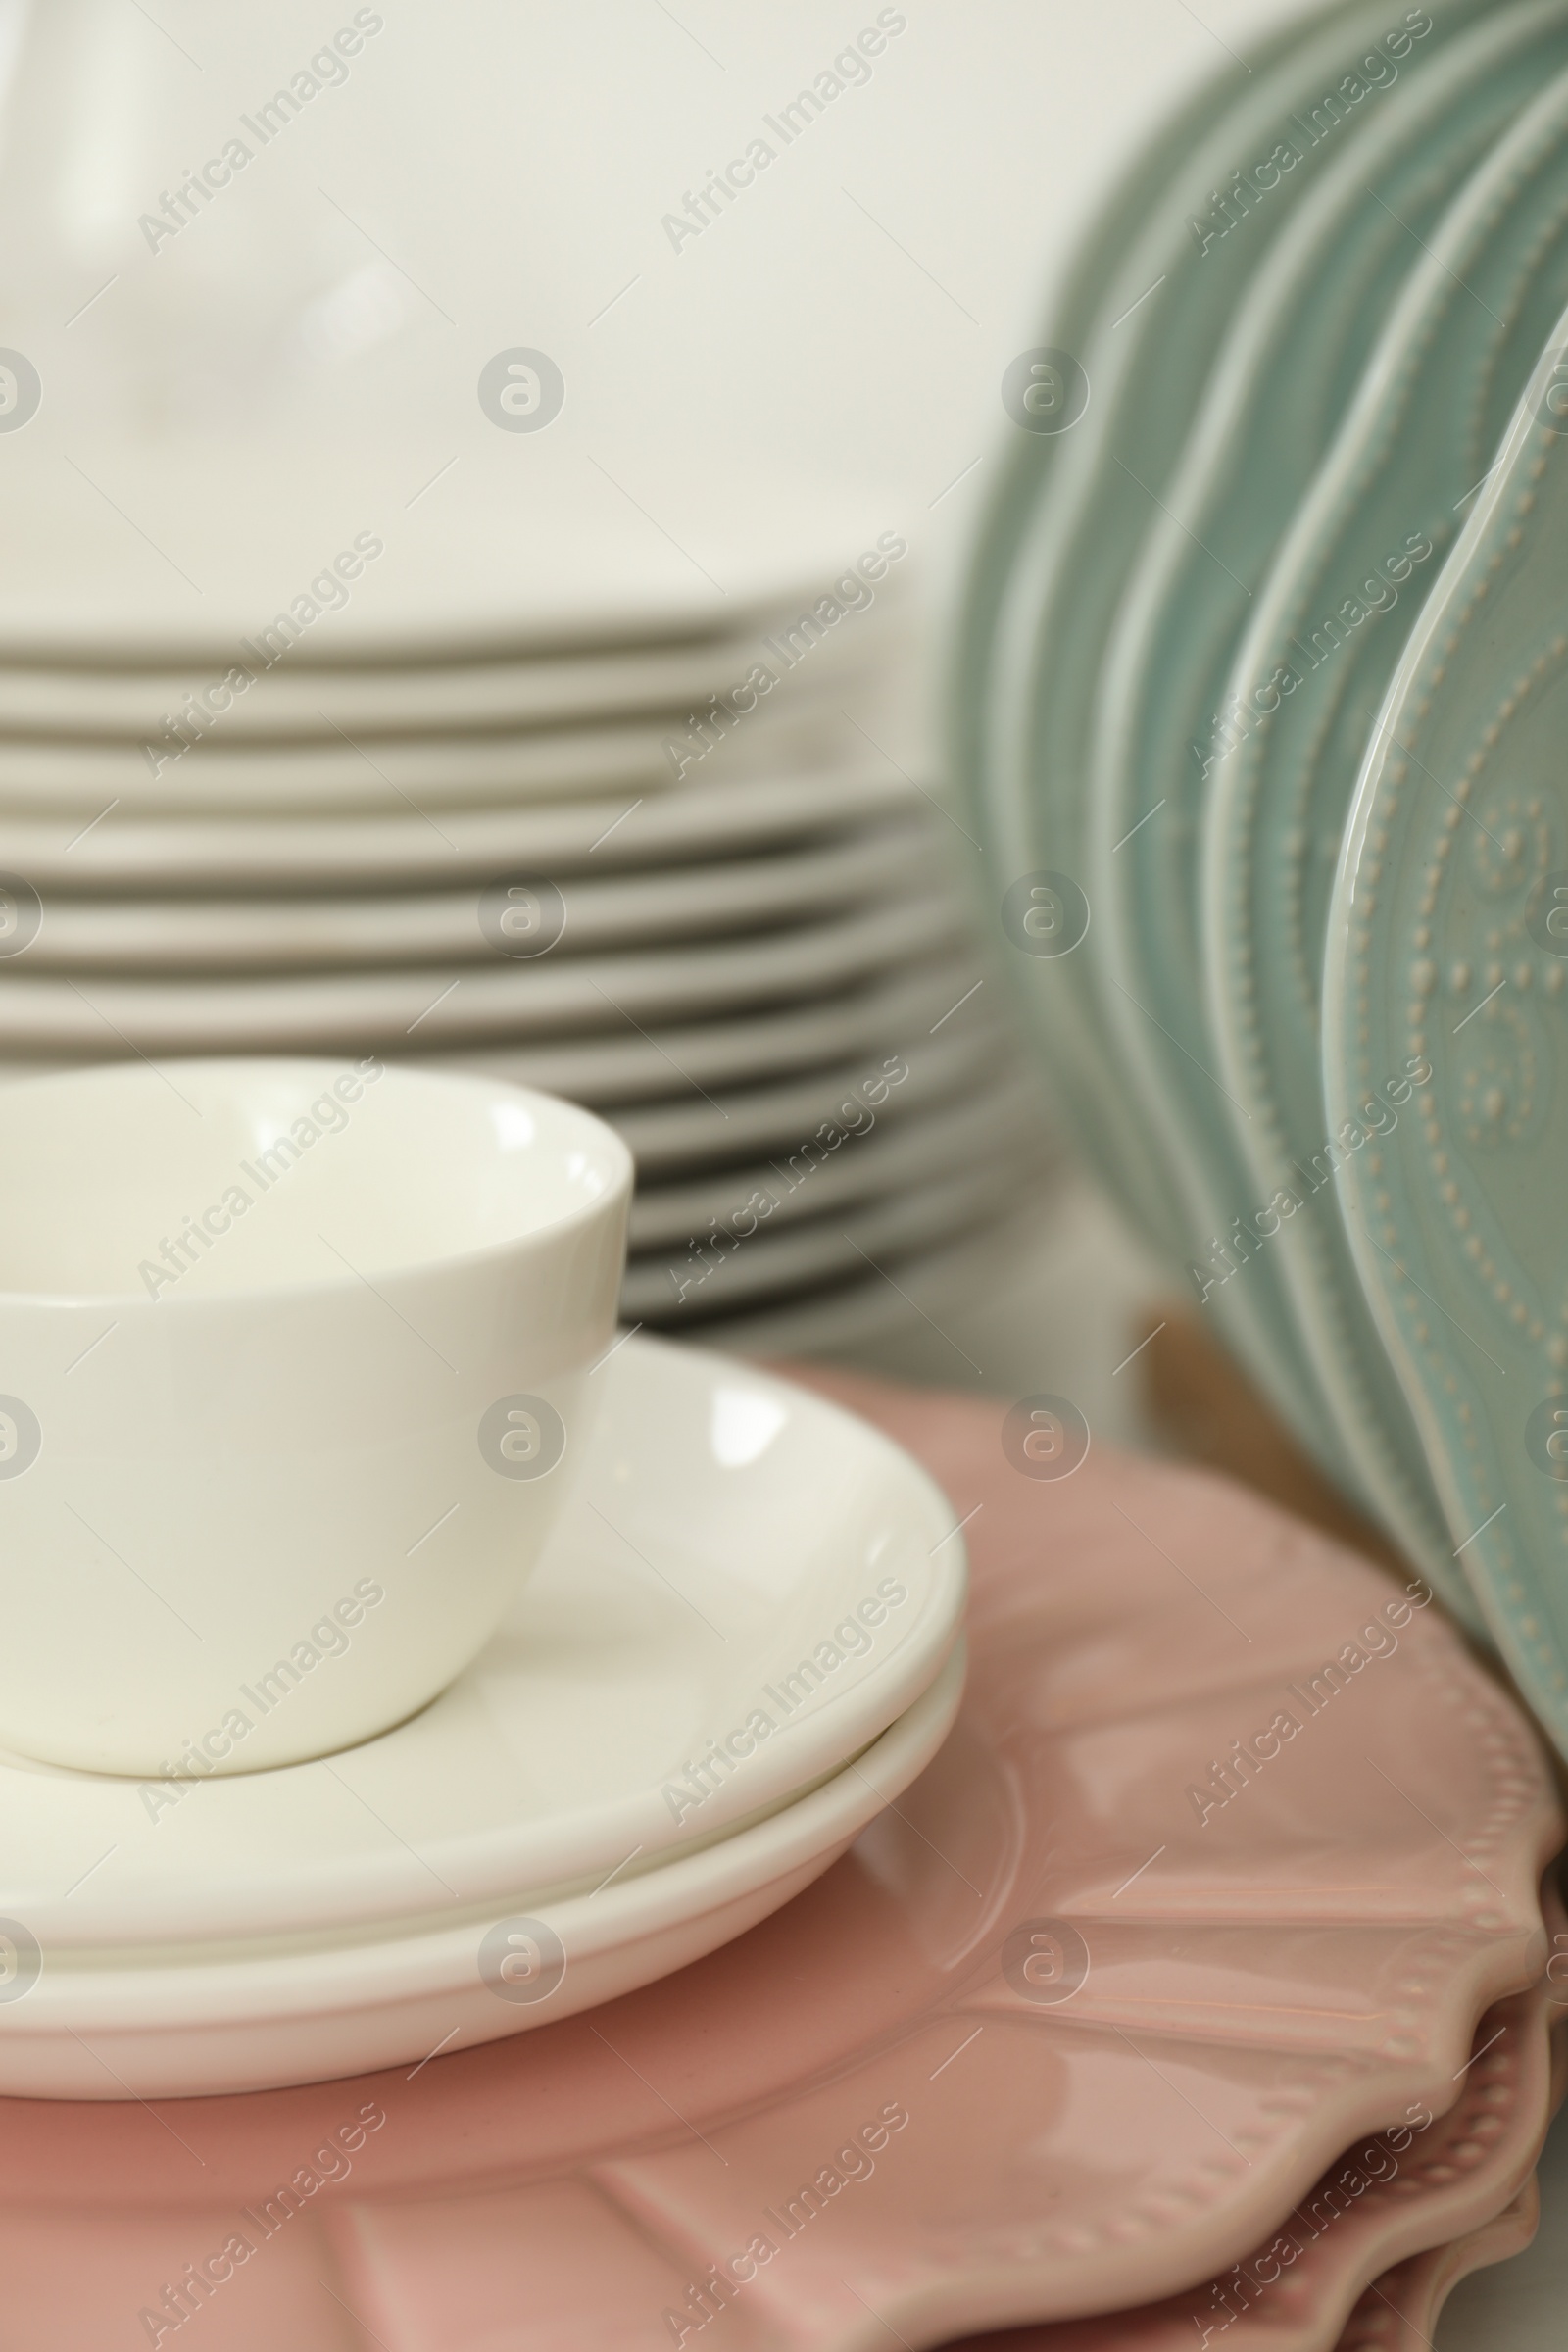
[(292, 1361)]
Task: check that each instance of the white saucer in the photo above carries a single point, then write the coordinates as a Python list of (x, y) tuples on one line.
[(726, 1527), (191, 2022)]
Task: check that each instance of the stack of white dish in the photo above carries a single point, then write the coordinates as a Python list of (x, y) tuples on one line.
[(395, 1658), (595, 1802), (289, 762)]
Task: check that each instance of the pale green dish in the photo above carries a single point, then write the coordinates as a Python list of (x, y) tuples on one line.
[(1489, 282), (1160, 321), (1282, 377), (1053, 993), (1446, 939)]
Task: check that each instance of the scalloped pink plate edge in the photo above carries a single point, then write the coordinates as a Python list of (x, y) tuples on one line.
[(903, 2085), (1399, 2207)]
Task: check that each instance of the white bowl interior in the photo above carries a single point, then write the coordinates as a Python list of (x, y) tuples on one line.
[(254, 1175)]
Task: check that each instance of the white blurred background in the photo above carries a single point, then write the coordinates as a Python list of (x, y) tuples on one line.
[(488, 175)]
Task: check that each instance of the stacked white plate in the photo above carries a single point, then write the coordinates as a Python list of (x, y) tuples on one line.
[(743, 1640), (296, 756)]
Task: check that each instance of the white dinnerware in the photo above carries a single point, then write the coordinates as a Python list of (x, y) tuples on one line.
[(295, 1360)]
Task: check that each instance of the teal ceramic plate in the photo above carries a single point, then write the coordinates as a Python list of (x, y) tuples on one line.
[(1052, 991), (1022, 803), (1282, 377), (1148, 363), (1447, 941), (1487, 284)]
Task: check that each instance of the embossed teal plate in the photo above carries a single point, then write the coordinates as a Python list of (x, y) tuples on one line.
[(1282, 376), (1488, 281), (1035, 628), (1445, 944)]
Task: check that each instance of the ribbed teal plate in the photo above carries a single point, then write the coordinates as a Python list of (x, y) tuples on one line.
[(1445, 947)]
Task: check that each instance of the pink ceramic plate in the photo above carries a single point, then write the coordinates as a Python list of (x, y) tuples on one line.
[(1408, 2195), (1399, 2311), (1056, 2037)]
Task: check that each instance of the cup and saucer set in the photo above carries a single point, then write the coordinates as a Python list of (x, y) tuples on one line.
[(410, 1677), (396, 1657)]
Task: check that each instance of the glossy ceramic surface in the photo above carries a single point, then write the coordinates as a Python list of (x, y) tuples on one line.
[(1146, 347), (505, 996), (1281, 381), (235, 820), (370, 771), (570, 568), (975, 2155), (282, 704), (944, 1278), (974, 1261), (885, 1164), (1415, 2191), (157, 2023), (240, 855), (680, 1288), (210, 778), (1443, 944), (630, 1065), (727, 1537), (209, 935), (369, 1335), (1025, 460), (689, 1096), (1435, 396), (1399, 2311), (779, 1118), (1038, 501)]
